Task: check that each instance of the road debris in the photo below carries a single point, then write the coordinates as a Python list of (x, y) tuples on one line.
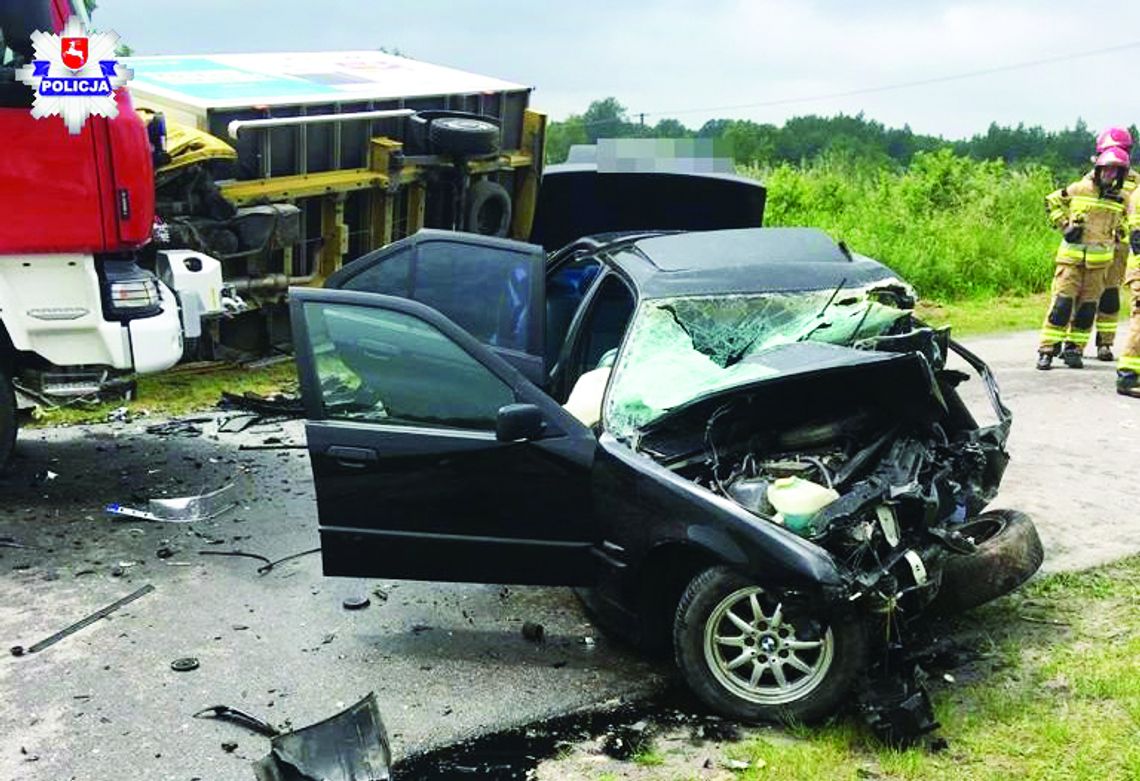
[(237, 423), (239, 717), (12, 542), (533, 632), (350, 746), (239, 553), (181, 427), (897, 708), (267, 567), (184, 509), (184, 665), (356, 602), (82, 623), (624, 741), (229, 746), (282, 405)]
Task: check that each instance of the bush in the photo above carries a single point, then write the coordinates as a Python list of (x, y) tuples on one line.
[(952, 226)]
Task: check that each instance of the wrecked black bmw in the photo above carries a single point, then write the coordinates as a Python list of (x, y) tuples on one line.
[(740, 444)]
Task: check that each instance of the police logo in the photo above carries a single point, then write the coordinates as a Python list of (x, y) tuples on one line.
[(74, 75)]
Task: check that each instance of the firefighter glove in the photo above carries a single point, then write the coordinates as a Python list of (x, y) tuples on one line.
[(1134, 242), (1073, 233)]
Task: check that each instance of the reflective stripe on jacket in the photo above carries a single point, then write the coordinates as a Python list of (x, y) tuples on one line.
[(1101, 218)]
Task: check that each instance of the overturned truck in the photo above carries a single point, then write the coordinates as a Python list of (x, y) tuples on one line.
[(279, 168)]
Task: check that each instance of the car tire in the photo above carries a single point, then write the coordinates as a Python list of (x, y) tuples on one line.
[(7, 418), (1008, 553), (488, 209), (463, 136), (829, 654)]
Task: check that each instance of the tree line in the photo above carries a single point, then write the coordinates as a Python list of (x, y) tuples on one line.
[(808, 138)]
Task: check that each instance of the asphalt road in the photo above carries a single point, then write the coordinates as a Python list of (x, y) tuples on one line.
[(446, 661)]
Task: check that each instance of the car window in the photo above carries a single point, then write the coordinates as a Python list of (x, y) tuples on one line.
[(565, 289), (484, 290), (390, 276), (604, 325), (380, 366)]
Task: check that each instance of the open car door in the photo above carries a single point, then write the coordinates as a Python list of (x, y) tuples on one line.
[(433, 458), (492, 288)]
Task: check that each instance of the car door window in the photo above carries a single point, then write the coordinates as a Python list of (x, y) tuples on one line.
[(565, 289), (483, 290), (384, 366), (390, 276), (605, 323)]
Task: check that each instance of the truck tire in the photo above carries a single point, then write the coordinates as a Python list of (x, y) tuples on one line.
[(463, 136), (759, 664), (7, 418), (1008, 553), (488, 209)]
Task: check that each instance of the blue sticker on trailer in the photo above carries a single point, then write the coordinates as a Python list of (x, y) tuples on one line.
[(202, 78)]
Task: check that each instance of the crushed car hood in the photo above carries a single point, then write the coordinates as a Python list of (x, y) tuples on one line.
[(806, 380)]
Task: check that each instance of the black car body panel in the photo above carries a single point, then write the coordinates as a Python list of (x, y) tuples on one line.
[(421, 500), (577, 200), (745, 261)]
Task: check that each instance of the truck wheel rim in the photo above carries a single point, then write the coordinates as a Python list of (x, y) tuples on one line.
[(756, 653)]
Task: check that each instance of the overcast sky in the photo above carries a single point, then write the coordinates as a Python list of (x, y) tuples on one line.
[(689, 59)]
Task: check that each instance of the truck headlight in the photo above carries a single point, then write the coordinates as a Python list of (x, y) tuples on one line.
[(129, 292), (134, 295)]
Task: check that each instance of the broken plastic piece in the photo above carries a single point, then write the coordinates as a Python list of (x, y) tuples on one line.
[(226, 713), (185, 509), (350, 746), (898, 710), (184, 427)]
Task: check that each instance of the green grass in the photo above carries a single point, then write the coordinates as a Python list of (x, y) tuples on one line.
[(1059, 697), (955, 228), (179, 392)]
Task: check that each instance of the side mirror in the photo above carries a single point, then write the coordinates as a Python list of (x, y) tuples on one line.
[(19, 19), (519, 422)]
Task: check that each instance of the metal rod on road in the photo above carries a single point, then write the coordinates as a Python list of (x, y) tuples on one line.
[(91, 619)]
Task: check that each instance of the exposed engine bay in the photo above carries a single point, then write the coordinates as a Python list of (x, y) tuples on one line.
[(879, 478)]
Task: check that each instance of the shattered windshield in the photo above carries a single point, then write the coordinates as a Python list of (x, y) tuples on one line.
[(684, 347)]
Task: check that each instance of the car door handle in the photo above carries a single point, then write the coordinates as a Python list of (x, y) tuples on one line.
[(355, 457)]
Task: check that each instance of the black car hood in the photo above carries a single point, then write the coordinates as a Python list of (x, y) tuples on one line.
[(815, 379), (577, 200)]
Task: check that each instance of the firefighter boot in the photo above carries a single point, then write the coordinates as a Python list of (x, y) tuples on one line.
[(1104, 353), (1128, 383), (1071, 355), (1045, 361)]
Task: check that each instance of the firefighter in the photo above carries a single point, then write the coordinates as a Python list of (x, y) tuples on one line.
[(1090, 216), (1108, 310), (1128, 367)]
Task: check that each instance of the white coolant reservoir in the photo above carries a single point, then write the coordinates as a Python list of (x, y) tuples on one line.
[(798, 500)]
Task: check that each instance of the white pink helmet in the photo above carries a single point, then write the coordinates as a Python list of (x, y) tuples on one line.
[(1114, 137), (1113, 155)]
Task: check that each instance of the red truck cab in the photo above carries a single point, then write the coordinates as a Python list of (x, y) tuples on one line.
[(76, 310)]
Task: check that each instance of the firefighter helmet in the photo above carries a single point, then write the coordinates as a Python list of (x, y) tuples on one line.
[(1113, 137), (1113, 155)]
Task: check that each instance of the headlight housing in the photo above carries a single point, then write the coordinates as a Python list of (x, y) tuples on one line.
[(129, 292)]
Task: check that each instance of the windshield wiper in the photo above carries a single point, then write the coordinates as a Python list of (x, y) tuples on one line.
[(830, 301)]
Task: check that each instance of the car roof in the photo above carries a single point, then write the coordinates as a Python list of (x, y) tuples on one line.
[(744, 260)]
